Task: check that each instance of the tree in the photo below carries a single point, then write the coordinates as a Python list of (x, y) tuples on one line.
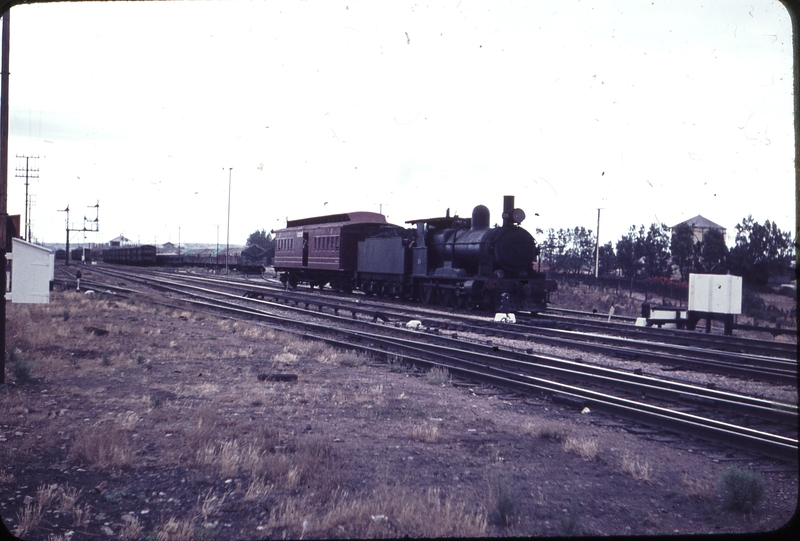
[(656, 251), (761, 251), (608, 260), (626, 253), (713, 251), (263, 240), (683, 249)]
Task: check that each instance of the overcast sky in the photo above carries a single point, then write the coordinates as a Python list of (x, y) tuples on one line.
[(654, 111)]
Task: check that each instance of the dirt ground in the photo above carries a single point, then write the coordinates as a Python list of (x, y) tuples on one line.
[(122, 419)]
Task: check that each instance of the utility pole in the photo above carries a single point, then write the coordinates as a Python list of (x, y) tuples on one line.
[(4, 241), (228, 247), (27, 173), (597, 248), (66, 254)]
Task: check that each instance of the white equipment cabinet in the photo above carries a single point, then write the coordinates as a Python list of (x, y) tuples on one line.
[(32, 272), (715, 293)]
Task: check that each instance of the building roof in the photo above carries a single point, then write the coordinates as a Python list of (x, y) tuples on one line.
[(120, 239), (700, 222)]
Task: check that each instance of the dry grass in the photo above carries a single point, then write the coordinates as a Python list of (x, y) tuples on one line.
[(210, 504), (637, 467), (386, 513), (177, 530), (425, 432), (131, 530), (104, 445), (551, 432), (45, 494), (698, 489), (584, 447), (6, 478), (28, 518), (258, 489), (67, 498)]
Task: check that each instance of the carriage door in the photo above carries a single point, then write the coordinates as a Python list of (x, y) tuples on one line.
[(305, 249)]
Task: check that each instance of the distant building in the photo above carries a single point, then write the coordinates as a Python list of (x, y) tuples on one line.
[(699, 226), (168, 248), (120, 241)]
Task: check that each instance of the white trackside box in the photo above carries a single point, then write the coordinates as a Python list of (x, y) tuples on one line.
[(715, 293)]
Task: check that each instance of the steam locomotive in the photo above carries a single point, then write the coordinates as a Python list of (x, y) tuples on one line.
[(452, 261)]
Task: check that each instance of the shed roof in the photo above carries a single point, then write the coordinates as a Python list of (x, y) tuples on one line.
[(699, 221)]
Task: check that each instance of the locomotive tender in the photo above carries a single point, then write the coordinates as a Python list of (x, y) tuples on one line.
[(457, 262)]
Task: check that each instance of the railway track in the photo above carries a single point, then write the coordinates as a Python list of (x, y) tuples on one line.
[(757, 360), (644, 399)]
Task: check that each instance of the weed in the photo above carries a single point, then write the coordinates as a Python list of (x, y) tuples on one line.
[(504, 504), (81, 515), (6, 478), (439, 375), (67, 498), (45, 494), (426, 433), (65, 314), (553, 433), (741, 489), (637, 467), (28, 518), (104, 448), (584, 447), (397, 365), (106, 361), (211, 504), (350, 360), (140, 359), (131, 530), (257, 489), (698, 489), (176, 530)]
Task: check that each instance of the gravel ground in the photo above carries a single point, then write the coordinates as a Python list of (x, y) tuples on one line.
[(142, 422)]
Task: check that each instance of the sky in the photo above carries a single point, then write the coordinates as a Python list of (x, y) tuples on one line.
[(654, 112)]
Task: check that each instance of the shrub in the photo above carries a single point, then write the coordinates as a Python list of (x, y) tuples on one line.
[(553, 433), (741, 489), (438, 375), (21, 368), (504, 507)]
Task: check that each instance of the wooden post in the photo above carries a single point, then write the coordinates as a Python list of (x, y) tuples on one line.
[(4, 186)]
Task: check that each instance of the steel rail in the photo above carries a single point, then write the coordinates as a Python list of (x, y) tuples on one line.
[(770, 369)]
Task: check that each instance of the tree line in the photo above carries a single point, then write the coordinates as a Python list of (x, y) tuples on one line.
[(761, 251)]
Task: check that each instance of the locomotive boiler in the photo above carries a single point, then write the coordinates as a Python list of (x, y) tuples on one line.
[(467, 262)]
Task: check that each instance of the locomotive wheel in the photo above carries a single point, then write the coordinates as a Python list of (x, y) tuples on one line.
[(444, 296), (426, 294), (469, 303)]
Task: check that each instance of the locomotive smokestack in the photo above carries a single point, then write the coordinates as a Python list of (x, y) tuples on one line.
[(508, 210)]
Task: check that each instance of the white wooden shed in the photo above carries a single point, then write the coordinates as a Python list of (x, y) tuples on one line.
[(32, 271)]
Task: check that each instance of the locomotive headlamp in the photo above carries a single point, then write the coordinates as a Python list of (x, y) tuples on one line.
[(518, 215)]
